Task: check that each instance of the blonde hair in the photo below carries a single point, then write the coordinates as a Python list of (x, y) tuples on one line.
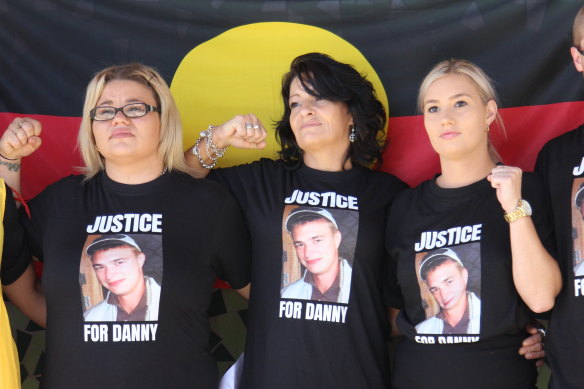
[(476, 75), (170, 147), (578, 28)]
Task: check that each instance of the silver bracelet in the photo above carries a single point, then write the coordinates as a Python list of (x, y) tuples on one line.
[(195, 151), (212, 150)]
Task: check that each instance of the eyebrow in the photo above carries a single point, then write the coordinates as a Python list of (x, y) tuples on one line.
[(450, 98), (129, 101)]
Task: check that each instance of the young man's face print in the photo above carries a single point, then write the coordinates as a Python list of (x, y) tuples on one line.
[(447, 283), (316, 245), (119, 269)]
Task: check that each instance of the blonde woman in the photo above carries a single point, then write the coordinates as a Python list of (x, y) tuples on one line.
[(466, 248), (131, 236)]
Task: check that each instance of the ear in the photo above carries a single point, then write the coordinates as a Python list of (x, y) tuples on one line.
[(577, 58), (465, 275), (491, 111), (338, 237), (141, 258)]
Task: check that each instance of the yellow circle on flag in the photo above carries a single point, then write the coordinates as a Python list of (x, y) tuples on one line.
[(240, 72)]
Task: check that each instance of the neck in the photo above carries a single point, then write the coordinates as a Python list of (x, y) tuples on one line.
[(130, 301), (464, 171), (134, 173), (328, 161)]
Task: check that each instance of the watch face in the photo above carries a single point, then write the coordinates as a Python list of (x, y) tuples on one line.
[(526, 206)]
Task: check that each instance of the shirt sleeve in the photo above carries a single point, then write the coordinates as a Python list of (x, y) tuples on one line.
[(239, 178), (534, 193), (15, 256), (232, 246), (392, 292), (393, 297)]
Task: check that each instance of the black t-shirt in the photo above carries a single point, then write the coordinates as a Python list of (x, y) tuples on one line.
[(297, 342), (15, 257), (451, 252), (183, 231), (561, 163)]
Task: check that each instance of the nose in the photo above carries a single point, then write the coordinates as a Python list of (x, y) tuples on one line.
[(441, 294), (119, 117), (109, 271), (307, 109), (309, 250), (446, 118)]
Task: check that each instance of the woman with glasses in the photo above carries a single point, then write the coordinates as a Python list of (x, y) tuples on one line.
[(132, 247), (466, 248)]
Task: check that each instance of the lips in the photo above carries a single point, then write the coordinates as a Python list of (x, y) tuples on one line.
[(121, 133), (449, 134), (312, 262), (115, 283), (311, 123)]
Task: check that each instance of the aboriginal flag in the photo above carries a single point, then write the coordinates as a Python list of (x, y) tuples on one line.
[(49, 49)]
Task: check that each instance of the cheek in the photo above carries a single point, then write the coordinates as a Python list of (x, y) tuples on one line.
[(292, 121), (428, 124), (97, 134)]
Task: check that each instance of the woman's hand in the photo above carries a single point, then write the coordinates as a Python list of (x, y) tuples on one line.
[(243, 131), (21, 138), (507, 182), (532, 346)]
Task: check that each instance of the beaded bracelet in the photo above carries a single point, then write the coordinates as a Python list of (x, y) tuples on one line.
[(211, 148), (213, 151)]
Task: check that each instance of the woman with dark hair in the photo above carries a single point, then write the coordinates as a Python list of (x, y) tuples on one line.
[(325, 79), (469, 261), (316, 218)]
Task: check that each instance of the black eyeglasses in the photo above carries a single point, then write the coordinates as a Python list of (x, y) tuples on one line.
[(134, 110)]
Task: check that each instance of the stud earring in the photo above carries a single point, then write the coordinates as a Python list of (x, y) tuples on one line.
[(352, 135)]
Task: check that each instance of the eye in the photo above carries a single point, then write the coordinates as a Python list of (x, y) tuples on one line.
[(294, 105), (432, 109), (135, 108), (104, 112), (460, 103), (298, 244), (97, 267)]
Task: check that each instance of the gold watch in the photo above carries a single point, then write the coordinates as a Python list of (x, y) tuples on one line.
[(523, 209)]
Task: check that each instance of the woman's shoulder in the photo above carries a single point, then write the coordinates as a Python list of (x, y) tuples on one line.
[(197, 189), (243, 173), (570, 139), (66, 184), (405, 198), (387, 178)]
